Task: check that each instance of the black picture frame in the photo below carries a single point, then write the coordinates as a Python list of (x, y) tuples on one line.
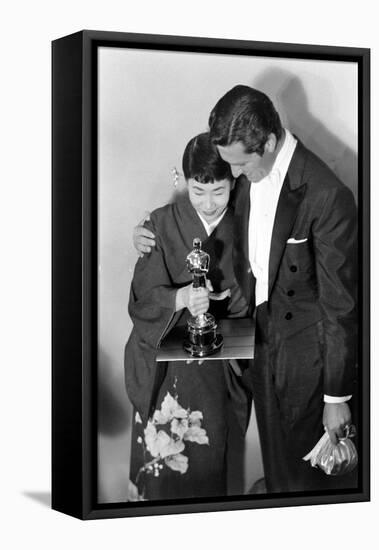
[(74, 270)]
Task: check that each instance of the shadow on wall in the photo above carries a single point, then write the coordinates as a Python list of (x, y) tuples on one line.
[(113, 407), (290, 98)]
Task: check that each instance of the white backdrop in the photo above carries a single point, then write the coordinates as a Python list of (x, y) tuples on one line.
[(150, 104), (28, 28)]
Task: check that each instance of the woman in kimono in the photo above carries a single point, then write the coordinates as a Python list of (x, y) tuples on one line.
[(184, 413)]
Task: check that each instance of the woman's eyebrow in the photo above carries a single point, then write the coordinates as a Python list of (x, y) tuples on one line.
[(200, 187)]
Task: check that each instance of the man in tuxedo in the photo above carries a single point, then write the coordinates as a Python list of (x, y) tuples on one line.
[(295, 258)]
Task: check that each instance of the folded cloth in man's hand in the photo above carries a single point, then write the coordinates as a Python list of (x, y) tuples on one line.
[(334, 460)]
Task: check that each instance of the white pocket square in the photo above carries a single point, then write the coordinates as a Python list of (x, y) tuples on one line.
[(296, 241)]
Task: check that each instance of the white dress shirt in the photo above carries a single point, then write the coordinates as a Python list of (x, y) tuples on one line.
[(264, 197)]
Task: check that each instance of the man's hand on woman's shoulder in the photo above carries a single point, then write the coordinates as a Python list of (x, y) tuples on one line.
[(143, 238)]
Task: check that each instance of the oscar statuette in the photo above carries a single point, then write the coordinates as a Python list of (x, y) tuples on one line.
[(201, 336)]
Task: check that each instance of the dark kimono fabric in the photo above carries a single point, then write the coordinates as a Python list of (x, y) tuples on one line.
[(211, 389), (198, 388)]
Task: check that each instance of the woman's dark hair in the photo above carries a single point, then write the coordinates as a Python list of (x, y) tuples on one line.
[(202, 162), (244, 115)]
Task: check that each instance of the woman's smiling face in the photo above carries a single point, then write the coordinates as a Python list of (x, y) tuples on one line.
[(209, 199)]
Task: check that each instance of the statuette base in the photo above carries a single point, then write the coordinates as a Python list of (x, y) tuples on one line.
[(202, 344)]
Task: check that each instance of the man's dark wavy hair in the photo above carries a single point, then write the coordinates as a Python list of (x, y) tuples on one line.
[(202, 162), (244, 115)]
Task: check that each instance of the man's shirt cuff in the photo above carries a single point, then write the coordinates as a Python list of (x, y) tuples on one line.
[(331, 399)]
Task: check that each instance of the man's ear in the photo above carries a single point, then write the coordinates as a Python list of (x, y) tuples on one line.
[(270, 144)]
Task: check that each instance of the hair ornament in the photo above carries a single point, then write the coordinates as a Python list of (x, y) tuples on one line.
[(175, 176)]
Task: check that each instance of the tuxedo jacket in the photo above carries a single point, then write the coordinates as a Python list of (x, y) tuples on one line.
[(312, 272)]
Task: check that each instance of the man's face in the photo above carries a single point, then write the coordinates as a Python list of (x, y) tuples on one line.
[(209, 199), (254, 166)]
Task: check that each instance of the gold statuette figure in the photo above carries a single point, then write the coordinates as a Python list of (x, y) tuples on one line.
[(201, 337)]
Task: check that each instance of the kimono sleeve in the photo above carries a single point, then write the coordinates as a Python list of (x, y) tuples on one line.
[(152, 295)]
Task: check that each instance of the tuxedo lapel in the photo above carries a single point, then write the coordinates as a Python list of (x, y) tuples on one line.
[(289, 201), (291, 195), (290, 198), (241, 210)]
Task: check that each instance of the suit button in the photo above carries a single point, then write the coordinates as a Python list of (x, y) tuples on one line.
[(293, 268), (291, 293), (288, 316)]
